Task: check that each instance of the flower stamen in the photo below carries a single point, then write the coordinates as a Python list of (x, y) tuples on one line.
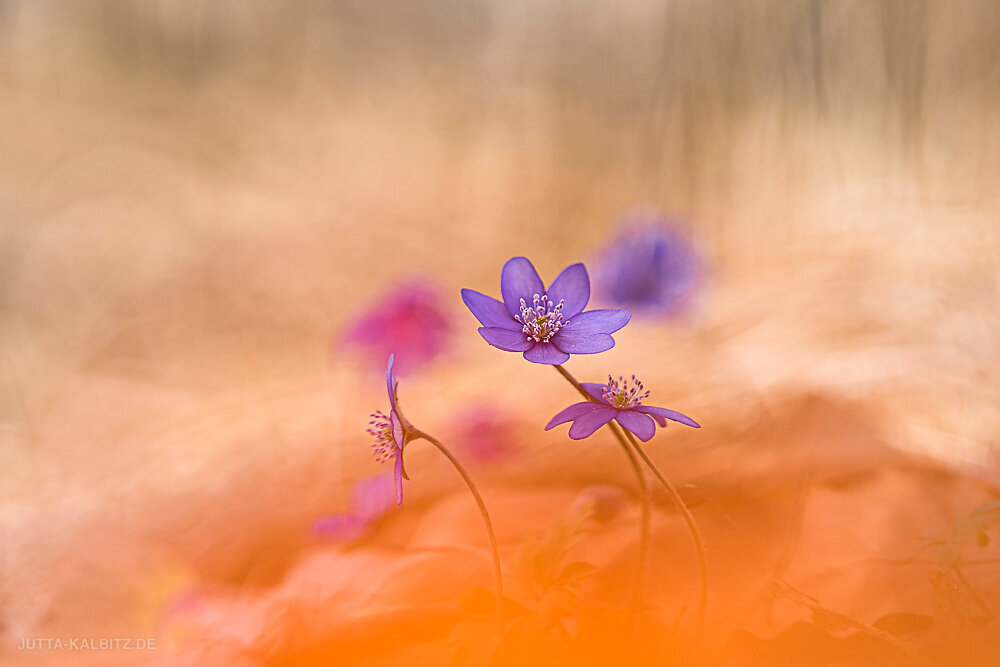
[(542, 319), (384, 447), (619, 394)]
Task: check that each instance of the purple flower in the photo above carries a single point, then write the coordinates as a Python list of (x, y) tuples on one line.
[(388, 433), (619, 401), (546, 325), (411, 320), (370, 499), (650, 268)]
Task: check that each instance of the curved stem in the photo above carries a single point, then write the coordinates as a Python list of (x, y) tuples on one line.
[(497, 576), (691, 525), (643, 495)]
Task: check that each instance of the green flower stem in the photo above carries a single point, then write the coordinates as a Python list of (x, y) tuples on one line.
[(643, 494), (691, 525), (416, 434)]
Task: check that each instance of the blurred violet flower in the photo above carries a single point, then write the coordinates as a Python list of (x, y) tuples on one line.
[(411, 320), (389, 433), (546, 325), (371, 498), (620, 400), (650, 268)]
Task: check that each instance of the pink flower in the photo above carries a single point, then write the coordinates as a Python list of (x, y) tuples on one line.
[(371, 498), (412, 321)]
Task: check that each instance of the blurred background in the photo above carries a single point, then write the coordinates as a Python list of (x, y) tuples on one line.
[(201, 202)]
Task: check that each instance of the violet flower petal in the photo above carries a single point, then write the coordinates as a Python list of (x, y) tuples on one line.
[(595, 389), (545, 353), (397, 476), (505, 339), (640, 425), (574, 411), (489, 311), (597, 321), (519, 280), (573, 286), (657, 418), (581, 342), (669, 414), (390, 382), (585, 425), (397, 428)]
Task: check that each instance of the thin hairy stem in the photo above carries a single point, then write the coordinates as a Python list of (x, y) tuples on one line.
[(497, 576), (691, 525), (640, 479)]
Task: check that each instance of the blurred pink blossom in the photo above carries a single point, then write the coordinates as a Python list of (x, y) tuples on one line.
[(410, 320), (371, 498)]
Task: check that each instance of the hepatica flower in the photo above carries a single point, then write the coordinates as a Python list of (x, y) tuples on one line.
[(620, 400), (651, 268), (546, 325), (387, 429), (411, 320)]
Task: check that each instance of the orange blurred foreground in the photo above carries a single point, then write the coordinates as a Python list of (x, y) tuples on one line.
[(814, 560)]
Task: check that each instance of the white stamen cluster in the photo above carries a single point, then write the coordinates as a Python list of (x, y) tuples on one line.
[(384, 447), (542, 319), (619, 394)]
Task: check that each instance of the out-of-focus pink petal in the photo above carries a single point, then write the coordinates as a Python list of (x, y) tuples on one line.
[(412, 320), (372, 497), (340, 527)]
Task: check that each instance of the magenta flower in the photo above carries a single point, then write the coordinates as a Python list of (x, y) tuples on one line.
[(388, 433), (619, 401), (412, 320), (371, 498), (546, 325)]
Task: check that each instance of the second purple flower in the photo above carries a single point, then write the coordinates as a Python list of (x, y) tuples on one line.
[(620, 400)]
